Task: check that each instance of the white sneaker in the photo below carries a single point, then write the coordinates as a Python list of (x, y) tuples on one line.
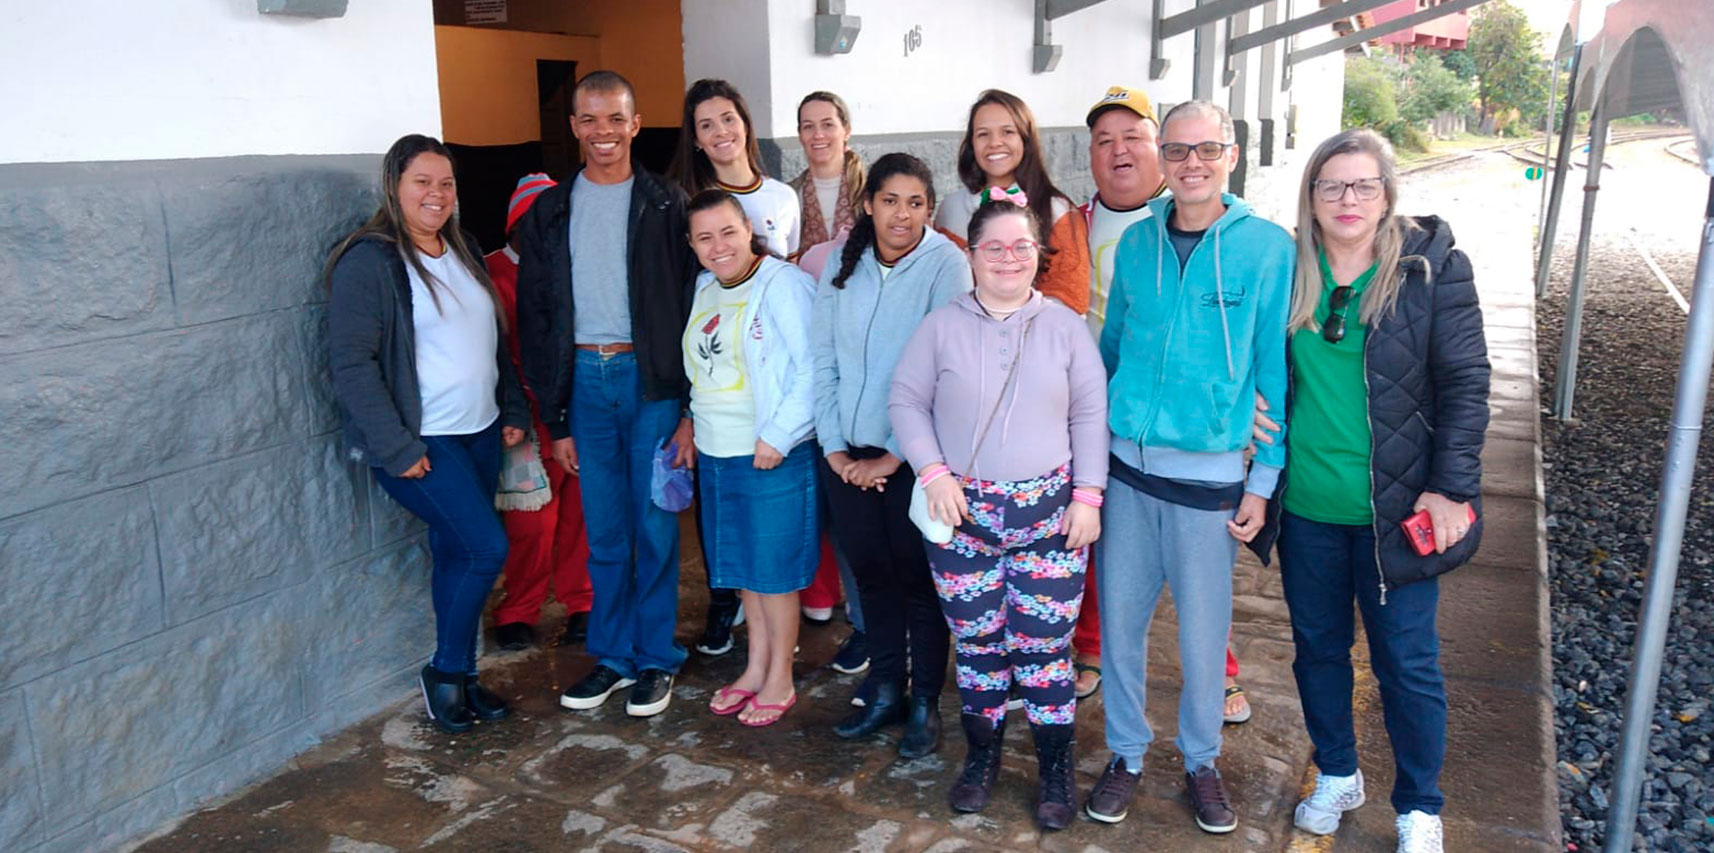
[(1334, 796), (1419, 832), (817, 615)]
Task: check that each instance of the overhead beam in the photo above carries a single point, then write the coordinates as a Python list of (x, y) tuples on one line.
[(1190, 19), (1061, 8), (1378, 30), (1293, 26)]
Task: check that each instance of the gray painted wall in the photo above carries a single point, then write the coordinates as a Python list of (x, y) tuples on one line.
[(199, 585)]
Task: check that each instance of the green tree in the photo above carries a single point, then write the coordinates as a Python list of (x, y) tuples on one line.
[(1459, 62), (1370, 99), (1511, 73), (1429, 88)]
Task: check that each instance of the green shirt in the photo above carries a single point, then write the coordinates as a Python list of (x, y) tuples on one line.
[(1327, 447)]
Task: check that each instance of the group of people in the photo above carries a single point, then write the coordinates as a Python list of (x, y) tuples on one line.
[(1019, 419)]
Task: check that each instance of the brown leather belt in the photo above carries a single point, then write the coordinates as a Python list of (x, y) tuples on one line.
[(606, 349)]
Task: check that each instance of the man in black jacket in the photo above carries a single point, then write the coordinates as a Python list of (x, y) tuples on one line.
[(604, 287)]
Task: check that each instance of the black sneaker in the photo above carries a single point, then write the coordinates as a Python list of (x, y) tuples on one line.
[(1208, 801), (1110, 800), (594, 689), (654, 691), (717, 635), (514, 636), (853, 654)]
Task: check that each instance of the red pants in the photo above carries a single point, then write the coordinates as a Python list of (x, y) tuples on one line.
[(548, 547), (1087, 638), (824, 590)]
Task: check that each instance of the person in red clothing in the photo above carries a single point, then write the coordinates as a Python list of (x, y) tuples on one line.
[(549, 545)]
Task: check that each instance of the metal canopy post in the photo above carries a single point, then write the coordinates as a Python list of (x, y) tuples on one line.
[(1547, 141), (1565, 384), (1675, 481), (1562, 165)]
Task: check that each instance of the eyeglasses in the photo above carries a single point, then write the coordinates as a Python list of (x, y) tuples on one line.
[(1366, 189), (994, 251), (1333, 331), (1177, 151)]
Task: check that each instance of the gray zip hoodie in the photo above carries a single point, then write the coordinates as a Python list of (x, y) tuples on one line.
[(861, 328)]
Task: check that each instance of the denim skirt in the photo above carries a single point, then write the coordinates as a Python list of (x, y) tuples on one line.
[(759, 530)]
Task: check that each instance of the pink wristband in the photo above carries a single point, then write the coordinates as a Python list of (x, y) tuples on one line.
[(932, 473), (1087, 498)]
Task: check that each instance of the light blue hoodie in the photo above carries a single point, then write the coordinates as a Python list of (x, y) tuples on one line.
[(776, 351), (1186, 355), (861, 328)]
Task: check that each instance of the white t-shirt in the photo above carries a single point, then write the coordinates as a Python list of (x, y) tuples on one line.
[(954, 213), (455, 347), (1106, 226), (722, 400), (827, 197), (774, 214)]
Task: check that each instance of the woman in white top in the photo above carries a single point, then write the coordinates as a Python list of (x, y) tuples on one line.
[(428, 395), (1001, 156), (746, 352), (717, 150)]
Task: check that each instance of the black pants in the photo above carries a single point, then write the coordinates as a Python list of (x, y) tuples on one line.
[(900, 607)]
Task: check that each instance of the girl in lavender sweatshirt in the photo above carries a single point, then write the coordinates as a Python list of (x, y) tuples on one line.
[(999, 403)]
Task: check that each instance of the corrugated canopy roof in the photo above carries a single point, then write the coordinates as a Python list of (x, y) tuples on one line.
[(1654, 54)]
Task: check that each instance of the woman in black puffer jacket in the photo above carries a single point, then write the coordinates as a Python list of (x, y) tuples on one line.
[(1389, 407)]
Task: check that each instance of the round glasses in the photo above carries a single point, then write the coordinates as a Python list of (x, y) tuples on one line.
[(994, 251), (1177, 151), (1366, 189)]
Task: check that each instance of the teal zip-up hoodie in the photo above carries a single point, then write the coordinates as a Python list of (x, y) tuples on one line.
[(1187, 353)]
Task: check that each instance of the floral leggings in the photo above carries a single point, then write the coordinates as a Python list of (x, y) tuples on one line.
[(1011, 593)]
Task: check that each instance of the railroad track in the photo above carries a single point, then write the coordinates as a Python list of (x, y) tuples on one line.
[(1530, 150)]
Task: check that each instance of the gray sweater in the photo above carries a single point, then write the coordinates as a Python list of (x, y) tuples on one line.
[(950, 377)]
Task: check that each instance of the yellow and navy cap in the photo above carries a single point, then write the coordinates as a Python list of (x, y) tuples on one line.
[(1121, 96)]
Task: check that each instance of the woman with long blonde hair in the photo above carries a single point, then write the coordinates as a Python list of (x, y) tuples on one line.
[(1383, 491)]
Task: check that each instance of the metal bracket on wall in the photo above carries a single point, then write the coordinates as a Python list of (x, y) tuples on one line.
[(835, 31), (1044, 54), (1157, 64), (303, 8)]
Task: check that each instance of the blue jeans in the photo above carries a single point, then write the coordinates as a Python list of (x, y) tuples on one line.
[(1146, 544), (1325, 566), (468, 543), (633, 544)]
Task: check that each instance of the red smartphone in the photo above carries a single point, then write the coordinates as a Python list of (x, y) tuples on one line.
[(1420, 531)]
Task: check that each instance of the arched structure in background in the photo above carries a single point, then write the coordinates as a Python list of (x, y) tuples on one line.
[(1643, 55)]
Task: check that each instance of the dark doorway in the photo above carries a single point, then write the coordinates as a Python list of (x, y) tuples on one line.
[(555, 79)]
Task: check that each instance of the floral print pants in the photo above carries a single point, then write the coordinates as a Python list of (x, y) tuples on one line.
[(1011, 593)]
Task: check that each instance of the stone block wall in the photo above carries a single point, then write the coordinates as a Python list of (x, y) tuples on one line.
[(199, 584)]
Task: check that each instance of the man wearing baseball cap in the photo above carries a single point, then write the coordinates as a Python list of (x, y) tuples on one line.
[(548, 544)]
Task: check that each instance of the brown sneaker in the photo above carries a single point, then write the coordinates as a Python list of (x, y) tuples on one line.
[(1208, 800), (1111, 798)]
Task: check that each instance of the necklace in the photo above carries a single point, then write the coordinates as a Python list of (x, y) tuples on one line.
[(997, 315)]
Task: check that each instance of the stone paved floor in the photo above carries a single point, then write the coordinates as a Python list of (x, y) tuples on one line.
[(548, 779)]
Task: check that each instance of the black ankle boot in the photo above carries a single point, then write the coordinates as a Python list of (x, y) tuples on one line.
[(981, 764), (483, 704), (443, 696), (887, 708), (1054, 757), (922, 729)]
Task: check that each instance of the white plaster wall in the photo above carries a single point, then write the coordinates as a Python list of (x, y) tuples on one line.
[(967, 46), (128, 80)]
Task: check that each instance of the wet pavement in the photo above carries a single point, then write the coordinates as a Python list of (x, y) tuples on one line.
[(549, 779)]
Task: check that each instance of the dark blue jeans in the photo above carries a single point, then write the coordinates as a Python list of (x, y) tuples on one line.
[(1325, 566), (633, 544), (468, 542)]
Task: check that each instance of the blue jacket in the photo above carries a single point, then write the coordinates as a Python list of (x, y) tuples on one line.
[(860, 330), (1186, 355), (776, 324)]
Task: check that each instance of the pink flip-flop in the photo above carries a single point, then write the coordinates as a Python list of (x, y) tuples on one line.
[(719, 708), (782, 708)]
